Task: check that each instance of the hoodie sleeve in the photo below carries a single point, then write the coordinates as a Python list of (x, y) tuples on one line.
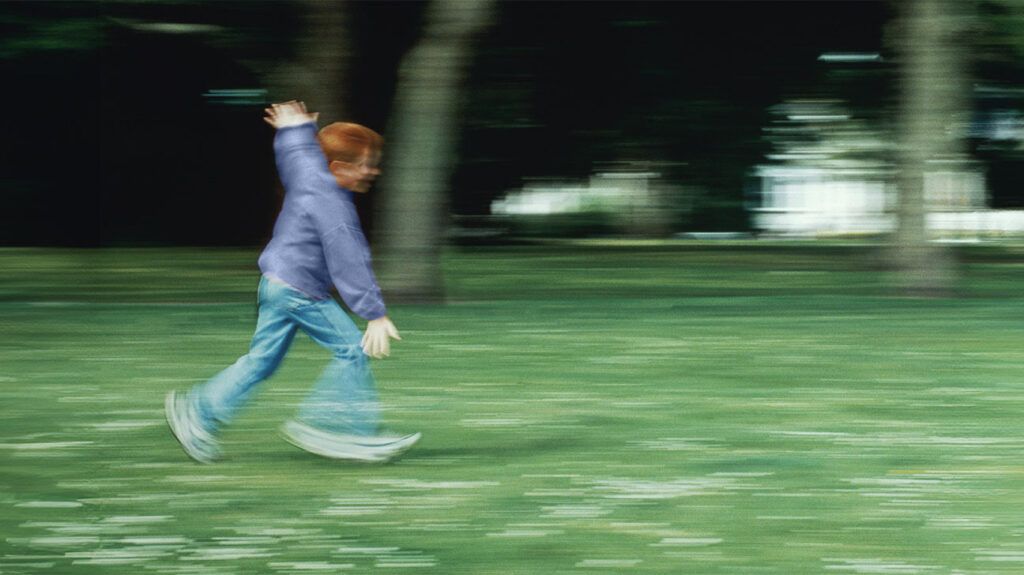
[(300, 160), (350, 265)]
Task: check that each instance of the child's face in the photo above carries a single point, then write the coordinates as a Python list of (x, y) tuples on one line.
[(358, 176)]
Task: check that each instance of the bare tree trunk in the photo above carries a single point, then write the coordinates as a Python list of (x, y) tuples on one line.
[(317, 73), (934, 94), (421, 150)]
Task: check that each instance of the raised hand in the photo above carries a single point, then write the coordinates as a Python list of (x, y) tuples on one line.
[(291, 113)]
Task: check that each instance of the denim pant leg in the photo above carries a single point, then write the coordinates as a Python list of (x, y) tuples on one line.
[(344, 399), (221, 397)]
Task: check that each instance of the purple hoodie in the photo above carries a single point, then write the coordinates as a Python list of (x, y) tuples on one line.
[(317, 237)]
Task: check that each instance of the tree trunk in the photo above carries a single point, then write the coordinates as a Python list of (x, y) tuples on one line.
[(318, 71), (933, 98), (421, 151)]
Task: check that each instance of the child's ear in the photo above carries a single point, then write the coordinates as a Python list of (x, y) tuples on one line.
[(336, 167)]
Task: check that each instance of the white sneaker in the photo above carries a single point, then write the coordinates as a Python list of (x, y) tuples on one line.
[(367, 448), (198, 443)]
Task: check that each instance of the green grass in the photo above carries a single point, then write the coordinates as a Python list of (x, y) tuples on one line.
[(586, 408)]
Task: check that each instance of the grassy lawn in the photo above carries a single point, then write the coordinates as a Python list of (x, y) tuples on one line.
[(679, 408)]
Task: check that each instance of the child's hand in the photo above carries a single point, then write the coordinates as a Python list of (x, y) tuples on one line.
[(288, 114), (378, 336)]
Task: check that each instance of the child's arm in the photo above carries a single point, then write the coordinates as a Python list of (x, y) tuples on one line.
[(298, 153)]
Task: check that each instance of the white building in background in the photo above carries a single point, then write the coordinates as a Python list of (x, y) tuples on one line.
[(814, 202), (831, 176), (811, 201)]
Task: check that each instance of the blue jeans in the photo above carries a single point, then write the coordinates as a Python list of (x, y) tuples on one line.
[(343, 400)]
